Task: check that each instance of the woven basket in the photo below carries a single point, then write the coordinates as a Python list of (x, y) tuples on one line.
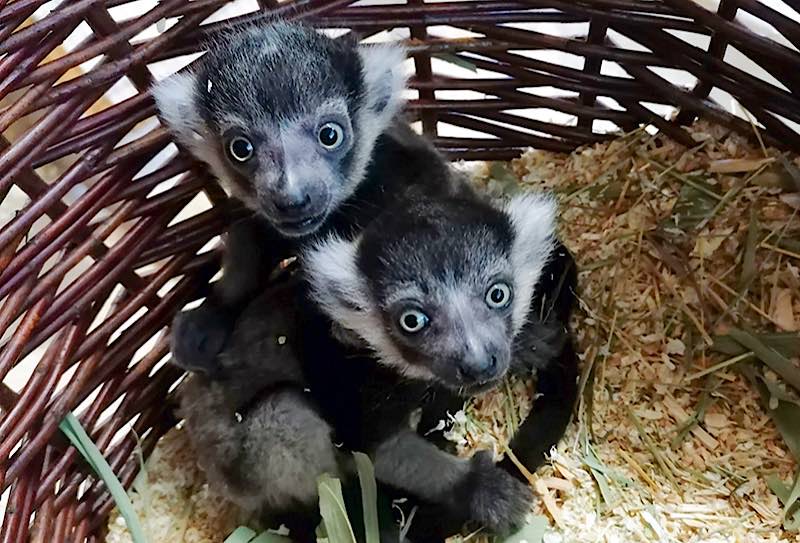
[(97, 250)]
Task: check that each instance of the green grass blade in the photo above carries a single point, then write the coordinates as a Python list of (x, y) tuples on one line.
[(786, 415), (369, 496), (242, 534), (456, 60), (531, 533), (784, 492), (71, 427), (772, 358), (786, 343), (333, 511), (794, 496), (271, 537), (749, 260)]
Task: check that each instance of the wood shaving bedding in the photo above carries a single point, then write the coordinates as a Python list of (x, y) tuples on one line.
[(663, 237)]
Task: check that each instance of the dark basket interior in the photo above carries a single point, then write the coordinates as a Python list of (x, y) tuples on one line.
[(96, 261)]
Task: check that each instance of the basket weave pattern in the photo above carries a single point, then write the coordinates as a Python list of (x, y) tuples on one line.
[(97, 260)]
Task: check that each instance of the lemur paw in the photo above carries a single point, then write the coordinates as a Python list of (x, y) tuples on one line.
[(496, 499), (197, 337)]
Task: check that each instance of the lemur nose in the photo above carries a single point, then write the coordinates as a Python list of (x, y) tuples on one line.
[(482, 368), (293, 203)]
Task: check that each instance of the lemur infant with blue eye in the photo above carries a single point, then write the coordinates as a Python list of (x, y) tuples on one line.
[(438, 299), (448, 295), (304, 130)]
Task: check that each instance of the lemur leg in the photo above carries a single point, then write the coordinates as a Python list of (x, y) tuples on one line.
[(199, 334), (544, 345), (266, 458), (476, 487)]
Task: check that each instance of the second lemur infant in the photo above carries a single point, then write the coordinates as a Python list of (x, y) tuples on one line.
[(449, 295)]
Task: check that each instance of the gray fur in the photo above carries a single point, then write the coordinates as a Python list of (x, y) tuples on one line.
[(270, 460), (477, 487), (262, 447)]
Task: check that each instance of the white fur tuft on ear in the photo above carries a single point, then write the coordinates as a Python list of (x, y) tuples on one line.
[(336, 283), (533, 221), (339, 289), (385, 78), (176, 100)]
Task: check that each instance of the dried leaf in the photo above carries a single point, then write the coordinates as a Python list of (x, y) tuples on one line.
[(676, 346), (693, 206), (775, 177), (783, 312), (789, 244), (792, 170), (706, 246), (751, 244), (792, 200), (607, 192), (502, 181), (738, 165)]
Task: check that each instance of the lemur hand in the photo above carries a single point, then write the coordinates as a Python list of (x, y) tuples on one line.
[(198, 336), (496, 499)]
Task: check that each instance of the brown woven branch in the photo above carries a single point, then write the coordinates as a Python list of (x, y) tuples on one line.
[(91, 198)]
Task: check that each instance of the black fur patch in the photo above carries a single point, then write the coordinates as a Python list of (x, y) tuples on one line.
[(444, 241)]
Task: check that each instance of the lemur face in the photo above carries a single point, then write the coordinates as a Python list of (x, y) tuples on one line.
[(451, 316), (290, 170), (438, 289), (285, 117)]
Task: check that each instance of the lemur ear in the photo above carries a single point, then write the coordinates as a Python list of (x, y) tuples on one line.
[(532, 219), (337, 286), (384, 76), (176, 99)]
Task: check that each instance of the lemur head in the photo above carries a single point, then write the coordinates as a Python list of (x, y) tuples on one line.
[(438, 288), (285, 117)]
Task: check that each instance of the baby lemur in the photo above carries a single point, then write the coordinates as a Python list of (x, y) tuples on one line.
[(301, 128), (438, 299), (450, 295)]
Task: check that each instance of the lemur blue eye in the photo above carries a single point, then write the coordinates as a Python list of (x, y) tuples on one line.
[(331, 136), (413, 320), (498, 295), (240, 149)]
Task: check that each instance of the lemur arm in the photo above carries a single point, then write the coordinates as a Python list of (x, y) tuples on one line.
[(250, 255), (475, 488)]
